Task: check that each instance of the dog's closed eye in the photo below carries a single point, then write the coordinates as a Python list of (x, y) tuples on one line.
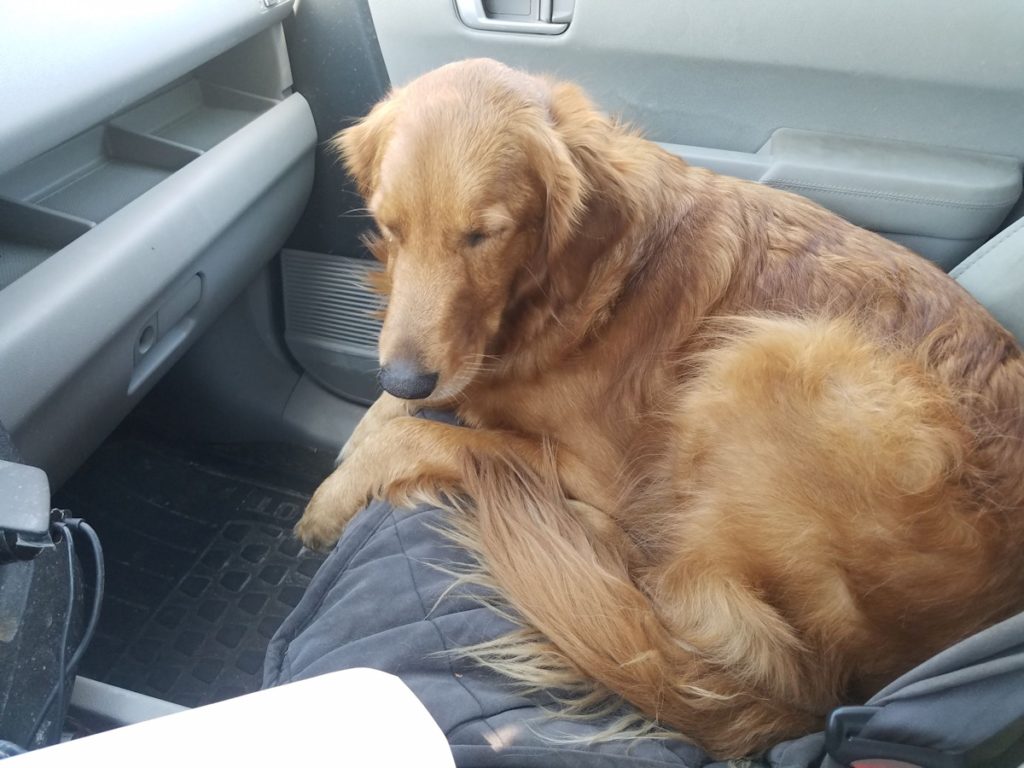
[(391, 233), (477, 237)]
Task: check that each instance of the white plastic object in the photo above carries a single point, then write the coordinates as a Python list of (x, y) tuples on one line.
[(356, 717)]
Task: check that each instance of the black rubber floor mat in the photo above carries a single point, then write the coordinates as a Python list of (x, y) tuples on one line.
[(201, 564)]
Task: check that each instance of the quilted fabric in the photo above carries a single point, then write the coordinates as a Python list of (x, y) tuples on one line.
[(378, 601)]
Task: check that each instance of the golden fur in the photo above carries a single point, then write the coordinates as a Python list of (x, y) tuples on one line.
[(738, 460)]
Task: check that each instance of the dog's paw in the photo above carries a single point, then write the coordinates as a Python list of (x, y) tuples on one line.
[(322, 521), (335, 502), (317, 532)]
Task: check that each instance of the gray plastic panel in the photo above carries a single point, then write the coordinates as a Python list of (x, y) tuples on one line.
[(24, 498), (95, 174), (727, 73), (941, 203), (195, 114), (104, 188), (114, 707), (29, 235), (67, 66), (17, 259), (260, 66), (64, 192), (995, 276), (238, 383), (897, 186), (945, 252), (149, 150), (222, 216)]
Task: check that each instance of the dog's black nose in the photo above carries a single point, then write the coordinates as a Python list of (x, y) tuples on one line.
[(402, 378)]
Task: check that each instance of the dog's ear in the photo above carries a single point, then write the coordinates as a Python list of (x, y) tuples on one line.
[(565, 183), (582, 160), (361, 146)]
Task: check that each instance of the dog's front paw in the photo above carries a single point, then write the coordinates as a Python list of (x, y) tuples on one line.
[(335, 502), (318, 532)]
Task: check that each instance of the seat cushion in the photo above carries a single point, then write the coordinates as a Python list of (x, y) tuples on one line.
[(380, 601), (994, 275)]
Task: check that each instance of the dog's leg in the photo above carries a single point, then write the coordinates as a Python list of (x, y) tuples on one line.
[(406, 454), (384, 409)]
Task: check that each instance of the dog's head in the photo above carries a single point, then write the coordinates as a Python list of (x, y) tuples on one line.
[(474, 187)]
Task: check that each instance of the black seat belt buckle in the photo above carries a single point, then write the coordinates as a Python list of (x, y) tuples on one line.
[(845, 745)]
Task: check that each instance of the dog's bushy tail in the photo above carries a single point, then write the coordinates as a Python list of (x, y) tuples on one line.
[(572, 584)]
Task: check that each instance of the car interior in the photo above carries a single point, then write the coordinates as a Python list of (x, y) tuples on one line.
[(186, 333)]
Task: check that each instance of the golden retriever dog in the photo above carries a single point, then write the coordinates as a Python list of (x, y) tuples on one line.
[(738, 460)]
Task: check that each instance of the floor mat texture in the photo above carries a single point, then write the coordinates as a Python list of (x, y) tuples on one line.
[(201, 563)]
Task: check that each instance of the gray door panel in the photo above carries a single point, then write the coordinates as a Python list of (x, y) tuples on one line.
[(727, 73), (121, 245)]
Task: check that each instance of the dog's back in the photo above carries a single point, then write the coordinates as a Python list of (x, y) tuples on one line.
[(811, 263)]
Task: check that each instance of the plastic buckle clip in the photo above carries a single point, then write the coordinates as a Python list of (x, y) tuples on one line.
[(845, 745)]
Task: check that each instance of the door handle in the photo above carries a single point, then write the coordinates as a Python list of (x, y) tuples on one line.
[(532, 17)]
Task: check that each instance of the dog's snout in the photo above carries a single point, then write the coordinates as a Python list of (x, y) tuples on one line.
[(404, 379)]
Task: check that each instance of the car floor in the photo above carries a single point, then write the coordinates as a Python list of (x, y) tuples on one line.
[(201, 564)]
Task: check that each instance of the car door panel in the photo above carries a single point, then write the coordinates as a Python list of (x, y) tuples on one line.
[(727, 73), (165, 187)]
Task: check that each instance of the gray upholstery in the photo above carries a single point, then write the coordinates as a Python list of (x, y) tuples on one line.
[(994, 275)]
